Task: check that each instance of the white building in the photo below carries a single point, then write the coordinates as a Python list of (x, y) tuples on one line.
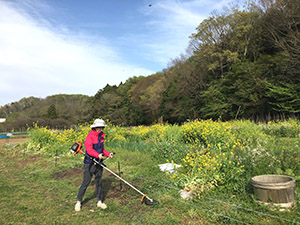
[(2, 120)]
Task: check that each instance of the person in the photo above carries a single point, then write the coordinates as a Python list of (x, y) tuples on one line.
[(94, 145)]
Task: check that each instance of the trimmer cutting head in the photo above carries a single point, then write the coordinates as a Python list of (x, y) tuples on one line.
[(149, 202)]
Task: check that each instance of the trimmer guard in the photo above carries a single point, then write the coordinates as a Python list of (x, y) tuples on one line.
[(149, 202)]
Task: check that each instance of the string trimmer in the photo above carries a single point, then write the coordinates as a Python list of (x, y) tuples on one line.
[(76, 148)]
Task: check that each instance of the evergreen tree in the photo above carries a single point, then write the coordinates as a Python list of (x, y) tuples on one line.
[(52, 113)]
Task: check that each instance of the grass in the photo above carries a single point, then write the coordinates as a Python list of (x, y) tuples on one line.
[(36, 190)]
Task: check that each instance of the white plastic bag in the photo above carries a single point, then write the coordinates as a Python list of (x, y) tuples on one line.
[(168, 167)]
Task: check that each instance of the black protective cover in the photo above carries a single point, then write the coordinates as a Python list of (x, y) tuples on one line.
[(74, 147)]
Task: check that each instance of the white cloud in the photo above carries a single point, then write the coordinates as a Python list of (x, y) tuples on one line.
[(36, 60)]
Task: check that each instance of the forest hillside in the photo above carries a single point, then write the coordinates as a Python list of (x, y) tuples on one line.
[(240, 64)]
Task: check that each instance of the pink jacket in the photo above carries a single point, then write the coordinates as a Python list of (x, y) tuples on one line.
[(91, 140)]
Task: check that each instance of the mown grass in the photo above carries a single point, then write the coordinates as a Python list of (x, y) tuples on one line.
[(37, 190), (34, 191)]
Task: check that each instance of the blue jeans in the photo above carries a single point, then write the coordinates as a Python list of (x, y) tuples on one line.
[(88, 171)]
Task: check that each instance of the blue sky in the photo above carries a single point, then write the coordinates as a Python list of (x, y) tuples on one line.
[(77, 47)]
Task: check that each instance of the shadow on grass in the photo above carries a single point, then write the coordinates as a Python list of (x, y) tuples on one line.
[(106, 186)]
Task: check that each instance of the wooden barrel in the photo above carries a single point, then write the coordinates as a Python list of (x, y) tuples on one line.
[(275, 189)]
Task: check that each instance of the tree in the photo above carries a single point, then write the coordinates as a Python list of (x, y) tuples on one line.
[(285, 97), (282, 21), (215, 103), (147, 95), (185, 81), (224, 39), (51, 113)]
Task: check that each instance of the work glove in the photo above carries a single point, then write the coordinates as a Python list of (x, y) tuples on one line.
[(101, 156)]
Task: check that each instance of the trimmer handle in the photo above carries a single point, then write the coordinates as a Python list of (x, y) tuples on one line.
[(108, 157)]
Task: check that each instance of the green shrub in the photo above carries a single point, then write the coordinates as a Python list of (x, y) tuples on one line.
[(289, 128)]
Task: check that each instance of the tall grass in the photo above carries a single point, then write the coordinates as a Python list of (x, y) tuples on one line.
[(213, 154)]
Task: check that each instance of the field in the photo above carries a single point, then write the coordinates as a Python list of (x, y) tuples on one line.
[(39, 177), (14, 140), (35, 191)]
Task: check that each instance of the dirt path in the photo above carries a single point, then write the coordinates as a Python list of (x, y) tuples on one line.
[(14, 140)]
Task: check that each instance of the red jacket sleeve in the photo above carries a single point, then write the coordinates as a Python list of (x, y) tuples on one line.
[(106, 153)]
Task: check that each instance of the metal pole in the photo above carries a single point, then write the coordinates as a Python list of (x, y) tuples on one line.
[(55, 157), (120, 175)]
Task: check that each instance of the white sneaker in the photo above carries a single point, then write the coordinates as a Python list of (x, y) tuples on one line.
[(77, 206), (101, 205)]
